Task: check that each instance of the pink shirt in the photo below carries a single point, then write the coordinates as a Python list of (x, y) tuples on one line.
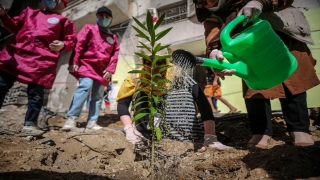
[(95, 52), (28, 56)]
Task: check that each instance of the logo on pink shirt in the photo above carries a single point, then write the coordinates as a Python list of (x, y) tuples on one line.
[(53, 20)]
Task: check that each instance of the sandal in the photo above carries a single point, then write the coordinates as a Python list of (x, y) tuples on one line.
[(259, 141), (211, 141), (301, 139), (234, 112)]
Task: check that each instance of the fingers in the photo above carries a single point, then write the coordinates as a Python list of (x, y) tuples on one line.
[(216, 54), (56, 45), (73, 68)]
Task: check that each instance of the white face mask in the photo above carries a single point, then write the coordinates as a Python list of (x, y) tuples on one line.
[(221, 2)]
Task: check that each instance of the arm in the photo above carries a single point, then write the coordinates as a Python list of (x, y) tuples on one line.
[(114, 57), (275, 5), (13, 24), (81, 44), (68, 35), (202, 103)]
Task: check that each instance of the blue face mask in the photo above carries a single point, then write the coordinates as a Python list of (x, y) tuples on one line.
[(104, 22), (50, 4)]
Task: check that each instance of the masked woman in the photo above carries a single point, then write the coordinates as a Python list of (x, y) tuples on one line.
[(32, 56), (93, 62), (293, 29)]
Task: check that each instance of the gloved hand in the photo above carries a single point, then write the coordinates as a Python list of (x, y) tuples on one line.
[(56, 45), (225, 72), (107, 74), (217, 54), (133, 135), (73, 68), (251, 11), (2, 10)]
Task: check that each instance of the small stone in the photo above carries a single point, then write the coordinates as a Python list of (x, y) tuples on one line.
[(145, 173), (25, 167), (63, 140), (102, 166)]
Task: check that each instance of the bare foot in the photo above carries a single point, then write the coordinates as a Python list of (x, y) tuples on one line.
[(233, 111)]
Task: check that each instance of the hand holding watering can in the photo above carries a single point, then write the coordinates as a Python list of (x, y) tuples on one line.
[(257, 55), (251, 12)]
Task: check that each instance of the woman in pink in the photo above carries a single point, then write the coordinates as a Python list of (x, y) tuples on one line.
[(32, 56), (93, 62)]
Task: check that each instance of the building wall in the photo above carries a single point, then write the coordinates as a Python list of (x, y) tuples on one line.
[(190, 38)]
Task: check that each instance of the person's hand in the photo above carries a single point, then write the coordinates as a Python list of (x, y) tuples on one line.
[(216, 54), (2, 10), (225, 72), (251, 11), (73, 68), (135, 137), (56, 45), (107, 74)]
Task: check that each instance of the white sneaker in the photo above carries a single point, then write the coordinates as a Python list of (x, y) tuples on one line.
[(93, 126), (70, 124), (31, 130)]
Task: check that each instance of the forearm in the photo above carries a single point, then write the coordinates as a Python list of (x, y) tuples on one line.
[(9, 24)]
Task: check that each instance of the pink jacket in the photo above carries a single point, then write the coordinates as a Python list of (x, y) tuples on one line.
[(95, 52), (28, 56)]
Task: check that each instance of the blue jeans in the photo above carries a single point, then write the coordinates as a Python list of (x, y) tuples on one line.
[(80, 96)]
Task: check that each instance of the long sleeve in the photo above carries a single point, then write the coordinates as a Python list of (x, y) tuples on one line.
[(13, 24), (114, 57), (68, 35), (81, 45)]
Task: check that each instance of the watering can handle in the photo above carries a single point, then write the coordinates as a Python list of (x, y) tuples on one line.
[(225, 37)]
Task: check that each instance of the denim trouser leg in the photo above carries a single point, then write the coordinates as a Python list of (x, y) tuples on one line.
[(35, 102), (96, 99), (6, 82), (79, 97)]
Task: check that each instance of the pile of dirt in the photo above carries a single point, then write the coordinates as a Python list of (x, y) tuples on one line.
[(106, 154)]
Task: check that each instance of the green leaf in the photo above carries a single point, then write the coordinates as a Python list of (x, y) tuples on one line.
[(145, 46), (140, 115), (156, 49), (138, 35), (164, 57), (142, 89), (163, 47), (139, 110), (153, 111), (137, 104), (140, 72), (140, 32), (149, 23), (143, 56), (164, 80), (162, 34), (147, 81), (159, 21), (155, 99), (139, 23)]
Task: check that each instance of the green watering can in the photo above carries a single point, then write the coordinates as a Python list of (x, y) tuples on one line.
[(257, 54)]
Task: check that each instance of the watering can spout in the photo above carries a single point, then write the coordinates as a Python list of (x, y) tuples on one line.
[(199, 60)]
